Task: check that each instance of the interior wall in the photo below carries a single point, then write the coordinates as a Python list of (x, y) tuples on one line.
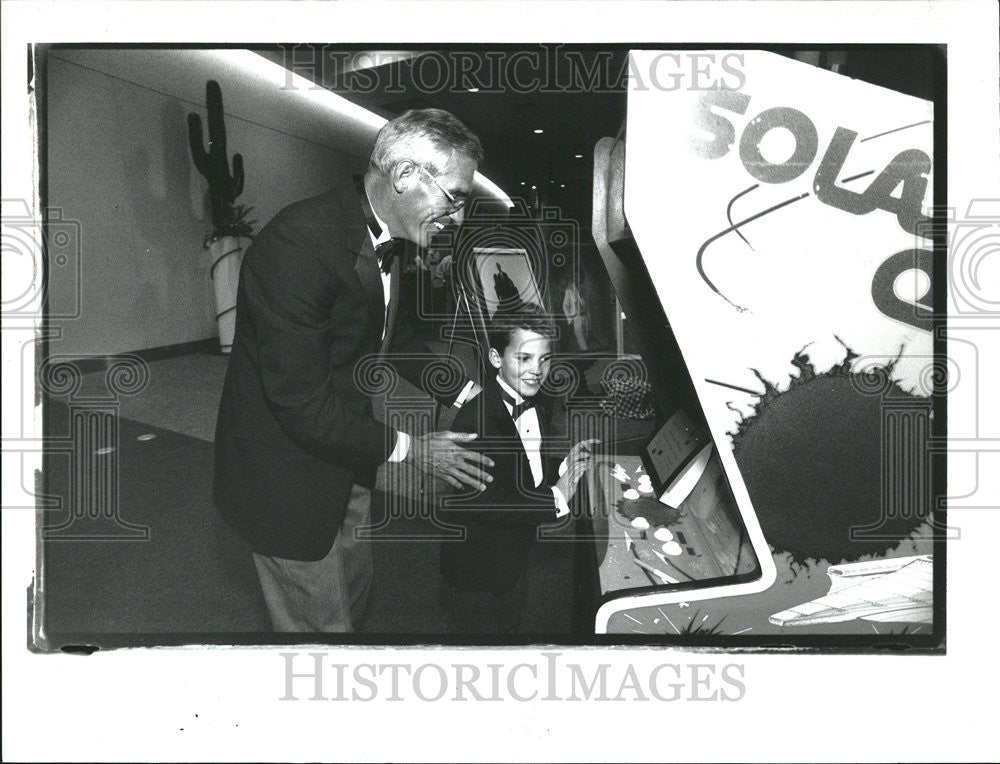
[(119, 165)]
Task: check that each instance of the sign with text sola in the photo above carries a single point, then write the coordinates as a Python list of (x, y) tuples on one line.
[(784, 223)]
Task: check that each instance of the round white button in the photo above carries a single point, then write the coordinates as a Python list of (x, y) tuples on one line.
[(672, 548)]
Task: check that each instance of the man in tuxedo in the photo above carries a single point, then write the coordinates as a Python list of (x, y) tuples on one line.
[(296, 446), (484, 573)]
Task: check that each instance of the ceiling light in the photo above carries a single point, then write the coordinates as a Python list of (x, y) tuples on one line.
[(578, 156), (538, 131), (473, 90), (562, 185)]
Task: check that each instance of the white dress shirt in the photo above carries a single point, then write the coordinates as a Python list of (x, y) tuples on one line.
[(386, 277), (402, 447), (530, 433)]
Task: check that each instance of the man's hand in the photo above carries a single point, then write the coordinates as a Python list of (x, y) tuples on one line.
[(441, 455), (577, 462)]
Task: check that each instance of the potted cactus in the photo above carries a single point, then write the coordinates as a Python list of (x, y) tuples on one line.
[(230, 229)]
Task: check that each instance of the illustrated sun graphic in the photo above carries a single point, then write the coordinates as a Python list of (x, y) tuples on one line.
[(830, 476)]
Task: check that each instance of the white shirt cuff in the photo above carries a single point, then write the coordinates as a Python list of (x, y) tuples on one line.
[(467, 392), (562, 508), (402, 447)]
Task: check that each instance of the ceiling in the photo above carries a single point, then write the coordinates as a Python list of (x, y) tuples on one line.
[(575, 96)]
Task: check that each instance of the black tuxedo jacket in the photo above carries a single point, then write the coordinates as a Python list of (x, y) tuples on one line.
[(501, 522), (295, 429)]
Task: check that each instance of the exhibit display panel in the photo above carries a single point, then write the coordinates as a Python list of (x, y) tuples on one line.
[(768, 233)]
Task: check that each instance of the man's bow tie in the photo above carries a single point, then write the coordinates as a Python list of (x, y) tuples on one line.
[(386, 251), (517, 408)]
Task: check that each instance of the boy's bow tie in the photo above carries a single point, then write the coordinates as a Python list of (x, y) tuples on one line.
[(517, 408)]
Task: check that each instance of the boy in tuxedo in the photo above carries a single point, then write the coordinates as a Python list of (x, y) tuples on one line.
[(484, 573)]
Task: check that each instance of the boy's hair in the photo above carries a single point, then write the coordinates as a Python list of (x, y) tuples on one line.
[(527, 316)]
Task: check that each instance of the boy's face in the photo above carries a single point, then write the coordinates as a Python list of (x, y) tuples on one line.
[(524, 363)]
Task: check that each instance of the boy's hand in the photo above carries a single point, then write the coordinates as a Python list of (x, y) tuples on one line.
[(577, 462)]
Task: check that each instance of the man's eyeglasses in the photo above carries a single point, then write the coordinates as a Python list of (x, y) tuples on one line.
[(456, 204)]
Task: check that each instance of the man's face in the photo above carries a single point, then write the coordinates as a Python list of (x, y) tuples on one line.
[(524, 363), (420, 202)]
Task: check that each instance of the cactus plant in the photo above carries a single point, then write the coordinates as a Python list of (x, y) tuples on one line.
[(228, 218)]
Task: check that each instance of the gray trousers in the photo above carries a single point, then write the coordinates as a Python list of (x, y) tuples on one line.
[(328, 595)]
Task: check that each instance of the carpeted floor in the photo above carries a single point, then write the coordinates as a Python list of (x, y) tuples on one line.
[(182, 394), (192, 575)]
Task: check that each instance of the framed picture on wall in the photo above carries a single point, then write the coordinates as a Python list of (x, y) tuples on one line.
[(506, 278)]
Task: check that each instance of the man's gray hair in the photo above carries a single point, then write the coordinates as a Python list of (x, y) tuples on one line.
[(427, 136)]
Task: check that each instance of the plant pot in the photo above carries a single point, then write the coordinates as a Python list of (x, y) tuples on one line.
[(227, 257)]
